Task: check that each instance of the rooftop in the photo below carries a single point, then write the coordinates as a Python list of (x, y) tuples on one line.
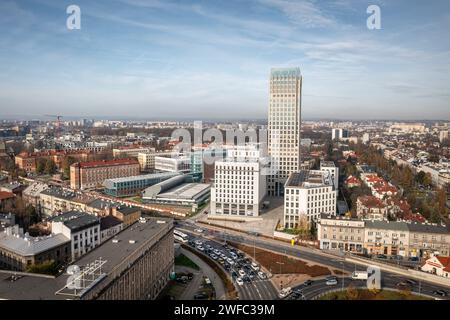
[(309, 179), (105, 163), (185, 191), (76, 220), (143, 177)]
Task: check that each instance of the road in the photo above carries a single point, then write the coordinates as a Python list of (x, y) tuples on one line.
[(389, 280), (256, 289)]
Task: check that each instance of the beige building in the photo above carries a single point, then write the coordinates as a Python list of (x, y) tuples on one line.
[(147, 159), (131, 152), (340, 233), (91, 175), (428, 239), (386, 237)]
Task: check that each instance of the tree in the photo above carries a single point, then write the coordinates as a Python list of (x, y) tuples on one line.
[(352, 292), (66, 166), (41, 163), (50, 167)]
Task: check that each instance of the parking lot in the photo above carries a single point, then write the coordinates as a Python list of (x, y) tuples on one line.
[(251, 282)]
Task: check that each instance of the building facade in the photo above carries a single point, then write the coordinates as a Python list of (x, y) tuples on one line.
[(308, 193), (168, 164), (340, 233), (284, 126), (91, 175), (330, 167)]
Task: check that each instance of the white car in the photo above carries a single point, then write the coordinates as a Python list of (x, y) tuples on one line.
[(198, 230), (198, 242), (262, 275), (239, 281), (224, 256), (214, 257), (331, 282), (230, 261), (255, 266), (285, 292), (242, 273), (200, 248), (216, 252)]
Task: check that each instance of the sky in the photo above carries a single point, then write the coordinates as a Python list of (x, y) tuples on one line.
[(165, 59)]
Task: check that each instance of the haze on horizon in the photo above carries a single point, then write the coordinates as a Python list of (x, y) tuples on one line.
[(211, 59)]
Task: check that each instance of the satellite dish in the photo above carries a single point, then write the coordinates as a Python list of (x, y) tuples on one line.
[(73, 269)]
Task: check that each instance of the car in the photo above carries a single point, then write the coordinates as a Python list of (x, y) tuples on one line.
[(255, 266), (331, 282), (239, 281), (285, 292), (262, 275), (298, 291), (234, 274), (403, 285), (381, 256), (213, 256), (308, 283), (200, 248), (411, 282), (224, 256), (199, 230), (242, 272), (200, 296), (220, 260), (441, 293), (246, 279), (208, 247), (415, 259), (331, 278), (230, 261), (227, 266)]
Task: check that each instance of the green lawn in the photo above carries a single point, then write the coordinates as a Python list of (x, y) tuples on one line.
[(182, 260), (364, 294)]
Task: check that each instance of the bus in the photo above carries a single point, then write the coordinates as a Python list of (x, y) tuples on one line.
[(180, 236)]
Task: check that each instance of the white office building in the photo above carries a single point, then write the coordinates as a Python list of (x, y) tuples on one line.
[(339, 133), (173, 164), (284, 126), (330, 167), (240, 183), (147, 159), (310, 193), (81, 228)]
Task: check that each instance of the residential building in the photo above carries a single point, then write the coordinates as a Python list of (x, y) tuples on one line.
[(147, 159), (387, 237), (284, 126), (330, 167), (7, 200), (339, 133), (19, 251), (91, 175), (370, 207), (428, 239), (240, 183), (81, 228), (340, 233), (127, 214), (31, 195), (28, 161), (443, 135), (310, 193), (55, 200), (437, 265), (132, 186), (109, 227), (352, 182)]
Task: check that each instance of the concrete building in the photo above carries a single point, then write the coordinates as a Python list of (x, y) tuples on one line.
[(19, 251), (340, 233), (240, 183), (330, 167), (339, 133), (428, 239), (135, 265), (284, 126), (127, 214), (180, 164), (28, 161), (131, 151), (387, 237), (147, 159), (310, 193), (132, 186), (56, 200), (109, 227), (91, 175), (443, 135), (178, 191), (81, 228), (31, 195)]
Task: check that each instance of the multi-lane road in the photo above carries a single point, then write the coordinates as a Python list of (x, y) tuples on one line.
[(388, 280)]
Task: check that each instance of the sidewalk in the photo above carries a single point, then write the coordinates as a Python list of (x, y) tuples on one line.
[(209, 272)]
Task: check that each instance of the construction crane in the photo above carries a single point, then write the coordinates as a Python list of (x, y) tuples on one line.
[(58, 122)]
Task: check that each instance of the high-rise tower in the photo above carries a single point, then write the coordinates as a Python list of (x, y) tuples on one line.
[(284, 126)]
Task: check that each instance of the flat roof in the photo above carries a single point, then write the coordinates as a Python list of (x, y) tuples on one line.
[(185, 191), (143, 177), (309, 179), (76, 220), (30, 246), (38, 287)]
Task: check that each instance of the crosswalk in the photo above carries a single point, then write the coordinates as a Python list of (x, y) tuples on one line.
[(257, 290)]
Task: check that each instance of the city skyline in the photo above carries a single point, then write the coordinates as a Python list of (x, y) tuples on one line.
[(190, 60)]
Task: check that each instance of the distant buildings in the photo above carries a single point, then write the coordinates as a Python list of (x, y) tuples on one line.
[(443, 135), (284, 126), (28, 161), (339, 133), (147, 159), (408, 127), (91, 175), (308, 193), (131, 151)]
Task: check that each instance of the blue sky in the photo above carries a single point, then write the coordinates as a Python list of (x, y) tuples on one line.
[(211, 59)]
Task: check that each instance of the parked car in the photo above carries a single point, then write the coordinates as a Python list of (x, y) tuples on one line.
[(239, 281), (331, 282), (242, 273), (285, 292), (255, 266), (262, 275), (441, 293), (331, 278), (200, 296), (199, 230), (308, 283)]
